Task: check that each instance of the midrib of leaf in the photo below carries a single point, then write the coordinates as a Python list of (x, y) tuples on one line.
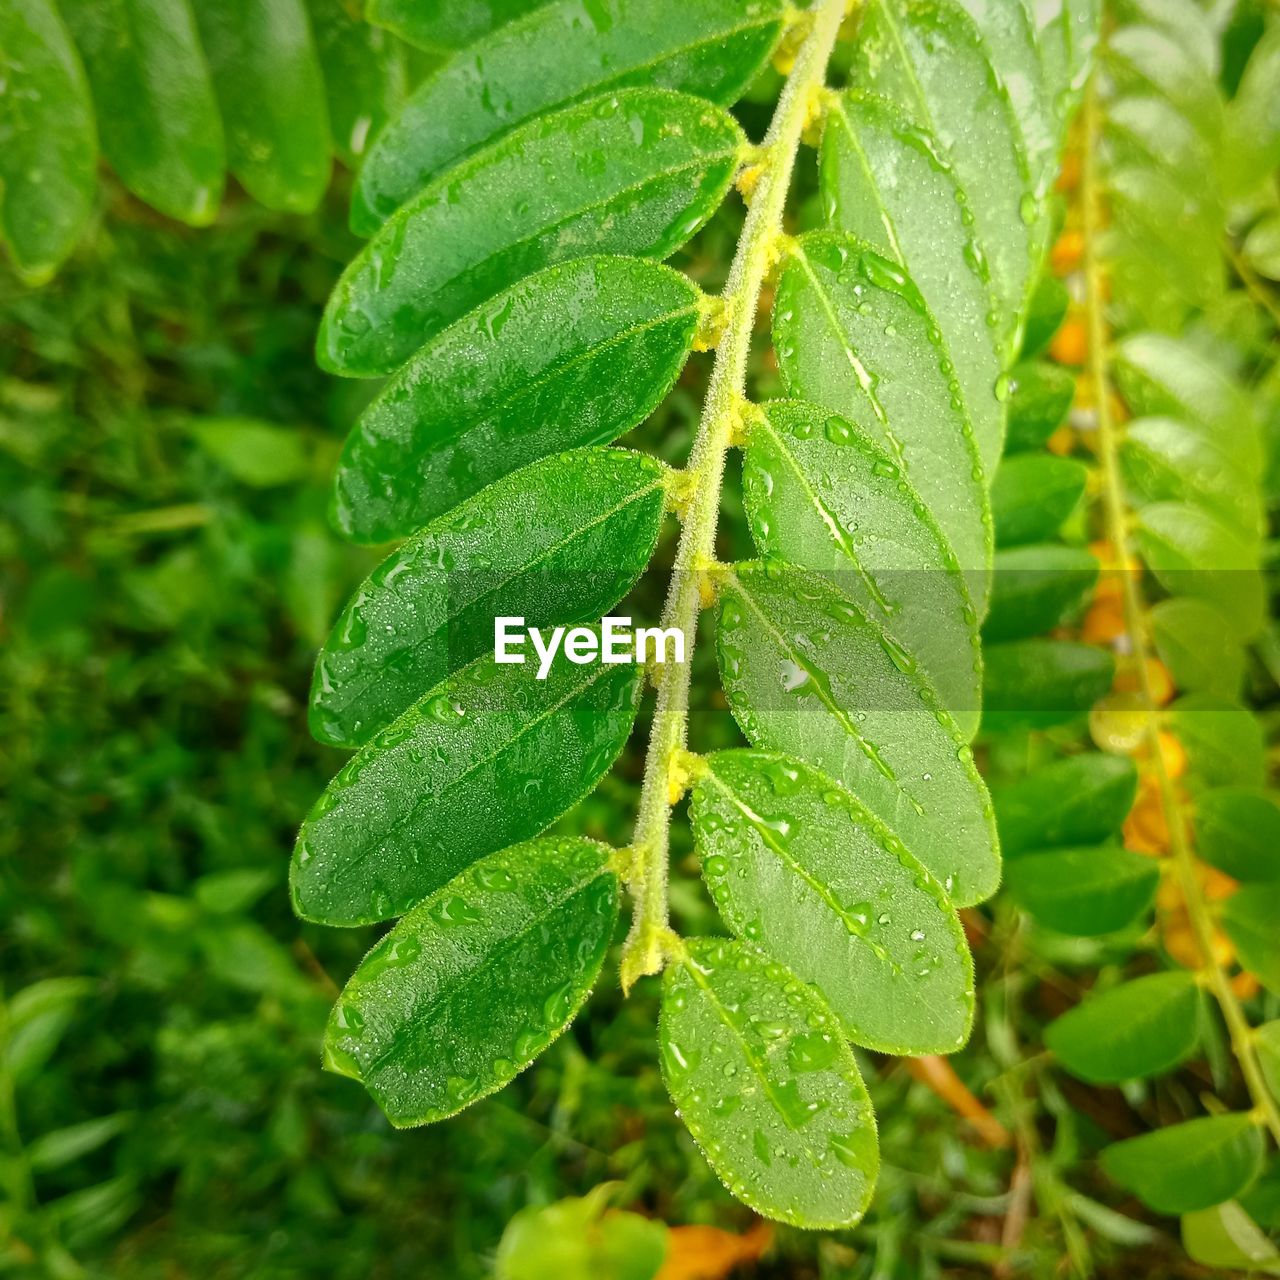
[(1118, 521), (650, 938)]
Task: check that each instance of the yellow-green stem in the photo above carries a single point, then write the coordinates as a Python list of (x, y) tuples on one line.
[(1117, 522), (649, 939)]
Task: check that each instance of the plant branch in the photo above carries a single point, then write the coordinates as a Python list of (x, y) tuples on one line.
[(647, 943), (1116, 516)]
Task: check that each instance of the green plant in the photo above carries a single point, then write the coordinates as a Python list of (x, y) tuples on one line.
[(518, 208)]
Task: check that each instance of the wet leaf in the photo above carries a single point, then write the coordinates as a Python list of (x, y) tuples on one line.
[(1039, 683), (577, 354), (562, 52), (637, 172), (416, 805), (471, 986), (819, 493), (443, 25), (1081, 800), (1083, 892), (1033, 495), (560, 542), (808, 673), (797, 867), (768, 1087)]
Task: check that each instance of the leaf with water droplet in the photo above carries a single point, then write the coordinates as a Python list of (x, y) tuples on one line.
[(550, 58), (756, 1063), (574, 355), (417, 804), (835, 896), (48, 142), (1039, 402), (477, 980), (158, 122), (635, 172), (270, 90), (835, 299), (844, 510), (559, 542), (845, 706)]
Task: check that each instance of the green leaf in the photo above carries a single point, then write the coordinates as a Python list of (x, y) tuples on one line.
[(930, 57), (1165, 460), (560, 53), (48, 145), (1249, 918), (1188, 1166), (768, 1087), (1033, 495), (1081, 800), (1267, 1042), (1184, 21), (1224, 1235), (1193, 641), (853, 334), (1035, 588), (157, 117), (1162, 377), (809, 674), (1194, 553), (1038, 405), (560, 542), (477, 981), (416, 805), (1223, 741), (260, 454), (884, 181), (1238, 831), (441, 25), (38, 1018), (800, 869), (577, 354), (1138, 1029), (1144, 129), (1261, 248), (1252, 149), (1084, 892), (635, 172), (365, 76), (1039, 683), (1144, 56), (580, 1238), (271, 93), (1045, 313), (821, 495), (59, 1147)]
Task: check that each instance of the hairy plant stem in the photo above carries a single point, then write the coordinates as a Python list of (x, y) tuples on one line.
[(1116, 515), (650, 938)]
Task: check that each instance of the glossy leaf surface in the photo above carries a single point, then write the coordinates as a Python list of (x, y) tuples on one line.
[(1033, 495), (560, 542), (885, 182), (635, 172), (853, 335), (560, 53), (1137, 1029), (1083, 892), (1039, 683), (807, 673), (1035, 588), (48, 144), (442, 25), (1188, 1166), (271, 93), (474, 983), (768, 1087), (416, 805), (577, 354), (819, 493), (797, 867), (158, 122), (1081, 800), (1040, 399)]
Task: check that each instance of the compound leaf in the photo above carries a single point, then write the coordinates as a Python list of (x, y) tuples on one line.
[(560, 53), (819, 493), (638, 172), (416, 805), (577, 354), (476, 981), (1188, 1166), (809, 673), (158, 120), (768, 1087), (1137, 1029), (560, 542)]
